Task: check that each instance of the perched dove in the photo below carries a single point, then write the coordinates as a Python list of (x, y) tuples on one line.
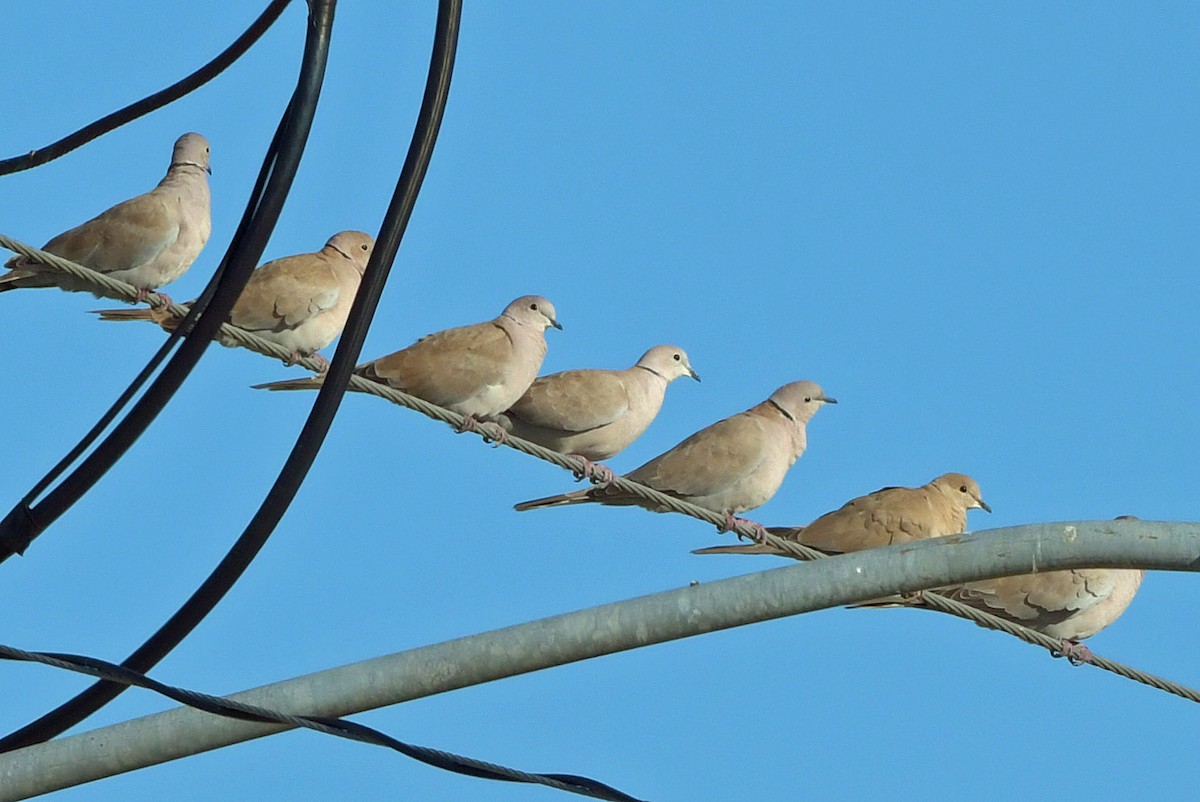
[(147, 241), (1070, 605), (595, 414), (298, 302), (732, 466), (478, 371), (885, 517)]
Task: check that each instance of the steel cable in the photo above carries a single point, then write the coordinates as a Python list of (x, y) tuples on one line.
[(787, 548)]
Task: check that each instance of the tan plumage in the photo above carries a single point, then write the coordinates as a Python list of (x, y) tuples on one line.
[(597, 413), (299, 302), (732, 466), (1071, 605), (147, 241), (478, 370), (883, 518)]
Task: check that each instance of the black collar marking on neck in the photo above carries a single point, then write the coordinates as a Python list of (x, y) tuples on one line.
[(652, 370), (785, 413)]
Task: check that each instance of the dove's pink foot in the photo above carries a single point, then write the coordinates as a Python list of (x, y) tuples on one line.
[(469, 424), (143, 296), (759, 534), (295, 356), (493, 433), (1075, 652), (598, 473), (490, 432)]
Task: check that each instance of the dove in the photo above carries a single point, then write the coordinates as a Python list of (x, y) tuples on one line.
[(732, 466), (147, 241), (1069, 605), (477, 371), (595, 414), (883, 518), (300, 302)]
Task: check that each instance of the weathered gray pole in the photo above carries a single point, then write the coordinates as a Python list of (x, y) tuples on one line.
[(603, 630)]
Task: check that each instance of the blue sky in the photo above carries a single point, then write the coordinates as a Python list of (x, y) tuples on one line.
[(975, 225)]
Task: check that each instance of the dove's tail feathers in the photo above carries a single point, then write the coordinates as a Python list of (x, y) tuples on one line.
[(18, 279), (124, 314), (159, 316), (745, 548), (888, 601), (310, 383), (561, 500)]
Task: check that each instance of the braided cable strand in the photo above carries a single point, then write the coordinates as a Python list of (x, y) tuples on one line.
[(104, 285), (945, 604), (120, 290), (1055, 646), (328, 725)]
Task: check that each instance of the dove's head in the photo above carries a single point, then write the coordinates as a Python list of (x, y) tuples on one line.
[(668, 361), (354, 245), (962, 490), (532, 310), (191, 149), (799, 401)]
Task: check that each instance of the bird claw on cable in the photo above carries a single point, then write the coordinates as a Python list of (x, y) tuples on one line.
[(758, 534), (1076, 653), (599, 473), (490, 432)]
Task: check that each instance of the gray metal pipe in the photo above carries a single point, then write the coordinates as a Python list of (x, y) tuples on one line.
[(602, 630)]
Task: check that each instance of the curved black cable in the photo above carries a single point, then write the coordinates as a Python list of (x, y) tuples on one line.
[(311, 437), (21, 514), (161, 354), (197, 79), (25, 522), (245, 251), (329, 725)]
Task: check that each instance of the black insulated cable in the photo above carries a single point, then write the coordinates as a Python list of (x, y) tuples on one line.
[(311, 437), (245, 252), (329, 725), (160, 355), (197, 79), (25, 521)]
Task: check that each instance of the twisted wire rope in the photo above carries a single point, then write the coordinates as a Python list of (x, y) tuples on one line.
[(789, 548)]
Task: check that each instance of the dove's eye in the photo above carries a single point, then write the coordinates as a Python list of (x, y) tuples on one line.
[(533, 307), (807, 399), (676, 357), (363, 246), (963, 489)]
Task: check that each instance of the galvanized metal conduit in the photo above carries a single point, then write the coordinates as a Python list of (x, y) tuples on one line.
[(428, 670)]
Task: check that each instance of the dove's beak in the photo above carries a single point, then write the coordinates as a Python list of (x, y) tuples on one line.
[(983, 505), (208, 169), (556, 324), (693, 373), (828, 400)]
